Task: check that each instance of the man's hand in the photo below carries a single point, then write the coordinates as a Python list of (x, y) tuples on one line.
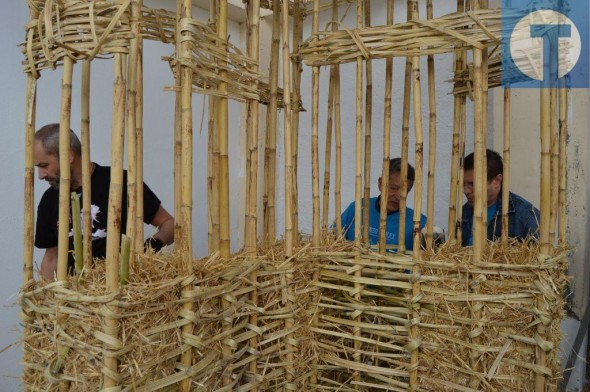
[(49, 264), (165, 224)]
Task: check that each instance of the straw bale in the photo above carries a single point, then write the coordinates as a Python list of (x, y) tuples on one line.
[(352, 309), (150, 299), (508, 281)]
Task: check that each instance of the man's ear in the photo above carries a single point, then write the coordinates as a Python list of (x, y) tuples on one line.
[(379, 183), (71, 157)]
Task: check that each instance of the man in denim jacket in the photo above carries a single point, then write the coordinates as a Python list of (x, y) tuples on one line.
[(523, 217)]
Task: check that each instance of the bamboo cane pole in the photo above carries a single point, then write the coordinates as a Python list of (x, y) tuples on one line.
[(111, 326), (368, 124), (328, 152), (401, 238), (77, 232), (29, 196), (545, 228), (563, 130), (506, 159), (125, 256), (315, 164), (417, 254), (480, 180), (270, 151), (462, 142), (288, 137), (386, 142), (431, 138), (178, 137), (459, 134), (359, 135), (64, 168), (222, 124), (297, 70), (484, 127), (212, 157), (479, 174), (454, 196), (338, 141), (186, 207), (139, 216), (554, 197), (212, 177), (289, 176), (253, 108), (86, 167), (358, 182), (131, 127), (29, 189), (252, 125)]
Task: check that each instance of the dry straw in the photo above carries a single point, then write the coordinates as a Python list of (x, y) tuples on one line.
[(510, 279), (478, 29)]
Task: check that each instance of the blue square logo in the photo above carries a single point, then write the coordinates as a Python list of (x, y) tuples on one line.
[(545, 43)]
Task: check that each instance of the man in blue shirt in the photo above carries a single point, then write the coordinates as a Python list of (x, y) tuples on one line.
[(392, 229), (523, 217)]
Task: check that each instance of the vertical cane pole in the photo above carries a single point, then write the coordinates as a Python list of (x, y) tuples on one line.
[(315, 164), (139, 216), (506, 161), (184, 13), (405, 145), (431, 139), (386, 142), (270, 151), (252, 216), (368, 124), (111, 325)]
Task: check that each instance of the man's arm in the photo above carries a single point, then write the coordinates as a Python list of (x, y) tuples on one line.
[(165, 224), (49, 263)]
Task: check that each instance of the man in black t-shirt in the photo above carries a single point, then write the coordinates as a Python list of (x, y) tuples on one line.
[(46, 235)]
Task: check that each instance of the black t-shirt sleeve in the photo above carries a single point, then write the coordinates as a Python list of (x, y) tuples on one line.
[(46, 226), (151, 203)]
